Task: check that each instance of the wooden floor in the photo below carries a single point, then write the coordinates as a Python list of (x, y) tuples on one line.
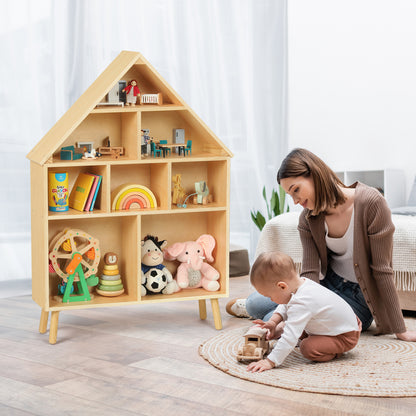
[(142, 360)]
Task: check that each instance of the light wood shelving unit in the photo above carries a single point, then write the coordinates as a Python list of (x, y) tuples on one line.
[(390, 182), (122, 231)]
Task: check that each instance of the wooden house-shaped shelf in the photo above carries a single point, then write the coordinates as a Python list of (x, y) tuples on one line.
[(121, 231)]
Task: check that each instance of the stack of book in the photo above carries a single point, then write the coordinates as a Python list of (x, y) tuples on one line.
[(84, 192)]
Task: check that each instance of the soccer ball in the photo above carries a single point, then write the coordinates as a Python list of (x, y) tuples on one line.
[(156, 280)]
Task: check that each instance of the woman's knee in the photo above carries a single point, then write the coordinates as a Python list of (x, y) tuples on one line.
[(366, 323), (258, 306)]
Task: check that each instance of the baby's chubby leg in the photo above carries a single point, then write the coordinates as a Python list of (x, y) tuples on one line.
[(319, 348), (325, 348)]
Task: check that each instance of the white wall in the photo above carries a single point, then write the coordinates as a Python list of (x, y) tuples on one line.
[(352, 82)]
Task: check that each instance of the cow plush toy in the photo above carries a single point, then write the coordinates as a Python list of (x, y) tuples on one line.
[(156, 278)]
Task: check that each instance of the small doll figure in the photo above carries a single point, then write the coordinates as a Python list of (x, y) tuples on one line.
[(132, 91)]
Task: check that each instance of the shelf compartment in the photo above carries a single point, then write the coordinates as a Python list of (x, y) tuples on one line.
[(115, 234), (390, 182), (153, 176), (212, 172), (101, 204), (149, 83), (120, 127), (190, 227), (162, 123)]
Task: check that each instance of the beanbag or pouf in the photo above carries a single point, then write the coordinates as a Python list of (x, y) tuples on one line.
[(239, 262)]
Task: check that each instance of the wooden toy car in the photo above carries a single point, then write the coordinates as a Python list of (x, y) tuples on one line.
[(255, 345)]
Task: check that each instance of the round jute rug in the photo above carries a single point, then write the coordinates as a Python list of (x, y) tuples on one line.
[(379, 366)]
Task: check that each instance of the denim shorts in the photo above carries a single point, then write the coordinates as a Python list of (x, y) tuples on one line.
[(351, 293)]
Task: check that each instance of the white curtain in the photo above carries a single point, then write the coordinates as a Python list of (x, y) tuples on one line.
[(226, 58)]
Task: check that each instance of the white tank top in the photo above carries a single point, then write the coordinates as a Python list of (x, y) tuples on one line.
[(341, 252)]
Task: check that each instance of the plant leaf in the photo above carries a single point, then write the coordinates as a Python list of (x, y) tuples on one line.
[(282, 199), (258, 219), (275, 207), (269, 214), (274, 202), (261, 221), (254, 217)]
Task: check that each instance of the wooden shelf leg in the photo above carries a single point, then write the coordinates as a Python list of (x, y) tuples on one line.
[(217, 314), (43, 325), (202, 309), (53, 330)]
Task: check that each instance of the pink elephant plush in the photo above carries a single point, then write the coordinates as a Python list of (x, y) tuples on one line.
[(193, 271)]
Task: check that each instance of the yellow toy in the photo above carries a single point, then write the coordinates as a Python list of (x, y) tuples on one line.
[(58, 191), (178, 191)]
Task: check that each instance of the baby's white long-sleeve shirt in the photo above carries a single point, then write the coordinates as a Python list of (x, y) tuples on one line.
[(316, 310)]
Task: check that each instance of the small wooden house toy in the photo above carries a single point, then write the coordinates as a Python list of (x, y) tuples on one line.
[(146, 202)]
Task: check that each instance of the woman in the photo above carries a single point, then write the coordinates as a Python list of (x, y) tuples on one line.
[(347, 240)]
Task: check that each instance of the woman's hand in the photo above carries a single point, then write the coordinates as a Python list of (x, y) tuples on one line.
[(407, 336)]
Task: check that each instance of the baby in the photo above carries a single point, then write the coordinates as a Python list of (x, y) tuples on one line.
[(325, 323)]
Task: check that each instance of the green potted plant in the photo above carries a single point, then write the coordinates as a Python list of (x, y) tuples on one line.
[(275, 206)]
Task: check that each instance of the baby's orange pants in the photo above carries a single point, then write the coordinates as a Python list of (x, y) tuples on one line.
[(325, 348)]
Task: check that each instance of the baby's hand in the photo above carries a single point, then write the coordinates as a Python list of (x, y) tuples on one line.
[(276, 332), (273, 331), (266, 325), (260, 366)]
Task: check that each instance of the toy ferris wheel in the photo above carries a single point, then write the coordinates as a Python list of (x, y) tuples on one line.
[(74, 256)]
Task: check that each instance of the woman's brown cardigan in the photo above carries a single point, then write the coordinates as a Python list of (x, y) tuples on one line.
[(372, 255)]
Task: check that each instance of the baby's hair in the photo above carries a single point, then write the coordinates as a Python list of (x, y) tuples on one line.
[(272, 267)]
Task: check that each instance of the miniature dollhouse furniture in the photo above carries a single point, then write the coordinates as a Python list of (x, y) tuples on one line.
[(70, 153), (154, 150), (162, 145), (188, 148), (167, 148), (121, 231), (151, 99)]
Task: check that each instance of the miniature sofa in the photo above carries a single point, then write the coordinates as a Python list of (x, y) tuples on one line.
[(70, 153), (281, 233)]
